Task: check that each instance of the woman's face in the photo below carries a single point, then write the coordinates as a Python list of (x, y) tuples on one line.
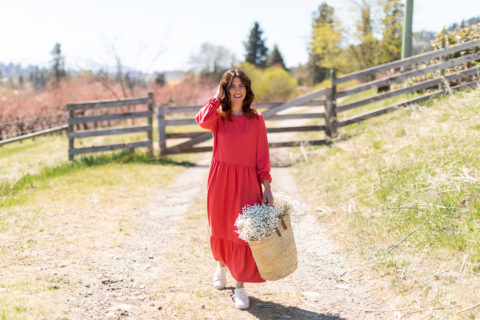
[(237, 91)]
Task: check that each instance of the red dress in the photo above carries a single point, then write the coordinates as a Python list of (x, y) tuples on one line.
[(240, 162)]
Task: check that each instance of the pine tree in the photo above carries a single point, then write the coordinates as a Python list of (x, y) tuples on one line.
[(20, 81), (257, 52), (275, 58), (391, 44), (37, 78), (58, 63), (160, 78)]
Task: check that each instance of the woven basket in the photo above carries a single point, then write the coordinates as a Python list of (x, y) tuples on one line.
[(276, 255)]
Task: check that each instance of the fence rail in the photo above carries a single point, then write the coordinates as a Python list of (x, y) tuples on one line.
[(427, 56), (34, 135)]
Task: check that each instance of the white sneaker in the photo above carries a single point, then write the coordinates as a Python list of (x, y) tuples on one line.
[(220, 278), (241, 299)]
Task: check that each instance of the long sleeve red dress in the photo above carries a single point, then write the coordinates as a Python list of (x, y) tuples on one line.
[(240, 163)]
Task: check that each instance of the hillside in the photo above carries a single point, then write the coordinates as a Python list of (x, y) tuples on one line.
[(401, 194)]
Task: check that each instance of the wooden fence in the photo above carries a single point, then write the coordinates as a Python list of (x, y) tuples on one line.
[(35, 134), (425, 71), (423, 76), (74, 120)]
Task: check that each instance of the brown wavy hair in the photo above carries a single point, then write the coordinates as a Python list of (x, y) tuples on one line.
[(224, 96)]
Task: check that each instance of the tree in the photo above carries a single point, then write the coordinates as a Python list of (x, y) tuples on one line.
[(212, 60), (160, 78), (58, 63), (326, 44), (256, 51), (366, 52), (20, 81), (275, 58), (392, 24), (322, 19), (37, 78)]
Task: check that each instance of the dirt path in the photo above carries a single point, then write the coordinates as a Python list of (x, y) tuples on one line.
[(164, 270)]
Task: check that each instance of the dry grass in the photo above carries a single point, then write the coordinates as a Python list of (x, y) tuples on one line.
[(419, 167)]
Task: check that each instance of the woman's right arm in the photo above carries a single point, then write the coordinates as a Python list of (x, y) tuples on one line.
[(207, 116)]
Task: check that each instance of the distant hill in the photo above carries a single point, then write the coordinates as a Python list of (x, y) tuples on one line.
[(13, 71)]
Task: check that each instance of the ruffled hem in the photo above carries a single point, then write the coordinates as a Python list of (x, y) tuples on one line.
[(238, 258)]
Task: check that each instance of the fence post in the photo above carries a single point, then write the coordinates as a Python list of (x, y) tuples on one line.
[(442, 59), (331, 107), (161, 130), (150, 122), (71, 144)]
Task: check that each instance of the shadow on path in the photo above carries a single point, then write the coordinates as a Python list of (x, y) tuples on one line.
[(266, 310)]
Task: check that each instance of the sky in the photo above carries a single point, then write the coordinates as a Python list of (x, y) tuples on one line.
[(161, 35)]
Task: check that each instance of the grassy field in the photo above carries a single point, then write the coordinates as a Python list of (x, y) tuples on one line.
[(402, 193)]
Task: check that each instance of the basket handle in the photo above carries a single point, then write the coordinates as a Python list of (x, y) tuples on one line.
[(278, 232), (284, 225)]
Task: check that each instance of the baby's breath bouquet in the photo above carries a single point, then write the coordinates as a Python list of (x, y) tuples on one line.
[(259, 221), (268, 231)]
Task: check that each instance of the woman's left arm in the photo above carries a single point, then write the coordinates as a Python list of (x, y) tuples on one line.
[(263, 162)]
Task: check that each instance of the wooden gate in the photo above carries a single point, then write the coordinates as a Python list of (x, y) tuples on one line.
[(271, 113), (75, 120)]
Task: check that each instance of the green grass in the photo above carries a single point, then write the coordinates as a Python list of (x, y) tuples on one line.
[(13, 193), (418, 167)]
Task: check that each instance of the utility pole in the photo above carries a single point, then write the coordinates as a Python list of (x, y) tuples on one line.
[(407, 30)]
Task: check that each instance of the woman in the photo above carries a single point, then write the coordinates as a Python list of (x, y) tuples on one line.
[(240, 167)]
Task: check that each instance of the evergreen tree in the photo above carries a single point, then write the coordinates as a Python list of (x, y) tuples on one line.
[(256, 51), (58, 63), (275, 58), (160, 78), (37, 78), (322, 19), (391, 44), (20, 81)]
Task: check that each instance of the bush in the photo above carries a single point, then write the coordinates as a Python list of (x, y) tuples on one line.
[(276, 85)]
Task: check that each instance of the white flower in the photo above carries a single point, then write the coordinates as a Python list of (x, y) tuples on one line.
[(257, 222)]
